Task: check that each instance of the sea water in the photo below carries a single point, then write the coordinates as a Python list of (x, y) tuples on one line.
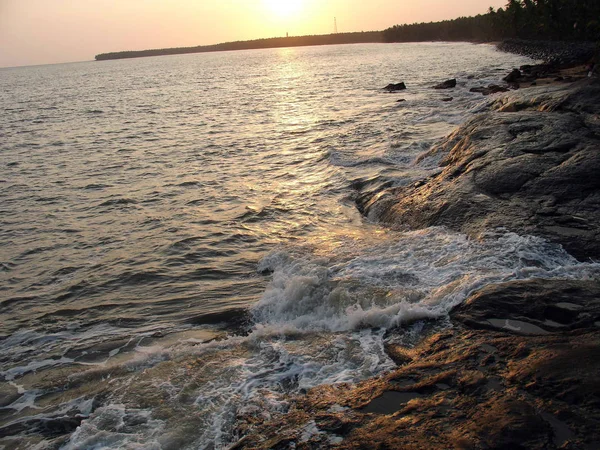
[(181, 247)]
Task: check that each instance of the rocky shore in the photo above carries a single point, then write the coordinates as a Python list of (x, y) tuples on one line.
[(529, 165), (519, 367), (493, 381), (563, 54)]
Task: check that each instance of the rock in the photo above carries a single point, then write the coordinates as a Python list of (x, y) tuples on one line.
[(447, 99), (556, 52), (400, 100), (498, 167), (8, 394), (48, 427), (513, 77), (462, 389), (491, 89), (395, 87), (551, 306), (448, 84)]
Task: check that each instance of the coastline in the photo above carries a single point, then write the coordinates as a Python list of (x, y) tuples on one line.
[(360, 37), (517, 368), (259, 337)]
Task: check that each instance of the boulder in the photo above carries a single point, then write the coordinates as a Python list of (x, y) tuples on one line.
[(533, 307), (513, 77), (394, 87), (491, 89), (448, 84)]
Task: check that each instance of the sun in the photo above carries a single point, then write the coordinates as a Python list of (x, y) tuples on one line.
[(284, 8)]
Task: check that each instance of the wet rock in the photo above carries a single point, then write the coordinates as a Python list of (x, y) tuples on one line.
[(47, 427), (389, 402), (448, 84), (514, 76), (544, 305), (556, 53), (491, 89), (508, 423), (498, 169), (8, 394), (394, 87), (464, 389)]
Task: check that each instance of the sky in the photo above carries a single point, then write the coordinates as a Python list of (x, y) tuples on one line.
[(55, 31)]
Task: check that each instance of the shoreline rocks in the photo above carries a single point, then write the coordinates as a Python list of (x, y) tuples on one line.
[(395, 87), (448, 84), (559, 54), (468, 387), (529, 165), (491, 89)]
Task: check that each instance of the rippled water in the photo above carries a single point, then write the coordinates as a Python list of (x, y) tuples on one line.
[(180, 245)]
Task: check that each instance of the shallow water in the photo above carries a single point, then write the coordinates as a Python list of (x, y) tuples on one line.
[(181, 249)]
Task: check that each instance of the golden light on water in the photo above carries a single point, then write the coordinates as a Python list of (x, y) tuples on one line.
[(284, 8)]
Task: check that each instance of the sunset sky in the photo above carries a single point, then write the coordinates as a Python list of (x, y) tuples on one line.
[(53, 31)]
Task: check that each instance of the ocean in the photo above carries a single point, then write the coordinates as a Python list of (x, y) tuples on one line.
[(181, 252)]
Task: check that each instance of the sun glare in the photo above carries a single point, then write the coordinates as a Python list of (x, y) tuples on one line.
[(284, 8)]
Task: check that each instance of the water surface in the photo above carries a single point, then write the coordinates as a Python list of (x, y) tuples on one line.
[(180, 243)]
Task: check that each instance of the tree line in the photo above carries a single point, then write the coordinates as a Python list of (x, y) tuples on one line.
[(563, 20), (292, 41)]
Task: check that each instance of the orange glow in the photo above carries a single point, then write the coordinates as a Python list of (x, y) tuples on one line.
[(284, 8), (39, 31)]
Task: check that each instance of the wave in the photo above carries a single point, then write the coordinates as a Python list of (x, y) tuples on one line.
[(423, 275)]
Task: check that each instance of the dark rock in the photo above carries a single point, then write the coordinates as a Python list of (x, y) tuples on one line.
[(513, 77), (491, 89), (498, 166), (8, 394), (556, 53), (448, 84), (394, 87), (389, 402), (400, 100), (47, 427), (447, 99), (464, 389), (548, 305)]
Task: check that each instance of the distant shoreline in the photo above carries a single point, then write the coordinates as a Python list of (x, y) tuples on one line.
[(362, 37)]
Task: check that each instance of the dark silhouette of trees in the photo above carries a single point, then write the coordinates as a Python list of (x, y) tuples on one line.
[(563, 20), (299, 41)]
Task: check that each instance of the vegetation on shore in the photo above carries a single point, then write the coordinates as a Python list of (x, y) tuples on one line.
[(296, 41), (563, 20)]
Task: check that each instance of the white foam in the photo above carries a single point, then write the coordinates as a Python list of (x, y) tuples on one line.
[(423, 275), (324, 321), (107, 428)]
